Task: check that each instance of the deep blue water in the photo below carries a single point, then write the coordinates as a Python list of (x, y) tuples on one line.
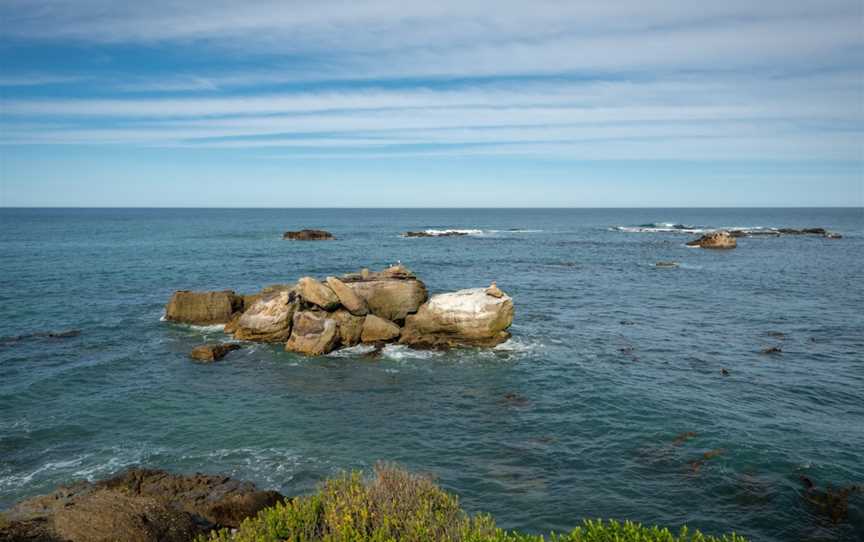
[(611, 358)]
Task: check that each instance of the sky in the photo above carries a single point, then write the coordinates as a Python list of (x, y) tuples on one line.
[(389, 103)]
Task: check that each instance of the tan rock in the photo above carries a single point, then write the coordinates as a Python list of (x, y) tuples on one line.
[(494, 291), (716, 239), (313, 291), (212, 352), (377, 329), (350, 327), (465, 318), (351, 301), (203, 308), (313, 334), (268, 319), (391, 294)]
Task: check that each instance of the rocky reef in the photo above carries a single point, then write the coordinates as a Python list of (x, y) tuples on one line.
[(314, 317), (308, 235), (138, 505)]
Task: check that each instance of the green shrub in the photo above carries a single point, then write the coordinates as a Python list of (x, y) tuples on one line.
[(395, 506)]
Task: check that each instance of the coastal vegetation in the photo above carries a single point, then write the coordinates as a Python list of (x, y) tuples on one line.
[(395, 505)]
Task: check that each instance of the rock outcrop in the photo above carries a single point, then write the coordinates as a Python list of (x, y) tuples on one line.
[(716, 239), (473, 317), (374, 307), (138, 505), (308, 235), (313, 334), (212, 352), (435, 233), (203, 308)]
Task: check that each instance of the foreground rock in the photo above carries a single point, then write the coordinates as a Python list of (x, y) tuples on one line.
[(308, 235), (138, 505), (203, 308), (376, 330), (715, 240), (473, 317), (212, 352), (312, 291)]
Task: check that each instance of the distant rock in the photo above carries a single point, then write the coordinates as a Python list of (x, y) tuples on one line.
[(138, 505), (212, 352), (435, 233), (470, 317), (667, 265), (715, 240), (203, 308), (377, 329), (772, 350), (313, 334), (308, 235)]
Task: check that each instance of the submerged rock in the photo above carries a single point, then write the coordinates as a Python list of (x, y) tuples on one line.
[(435, 233), (313, 334), (667, 265), (203, 308), (212, 352), (470, 317), (716, 239), (268, 320), (772, 350), (138, 505), (308, 235)]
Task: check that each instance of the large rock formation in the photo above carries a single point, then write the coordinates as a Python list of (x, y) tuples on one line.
[(203, 308), (138, 505), (473, 317), (308, 235), (313, 334), (315, 318), (268, 319), (391, 294), (716, 239)]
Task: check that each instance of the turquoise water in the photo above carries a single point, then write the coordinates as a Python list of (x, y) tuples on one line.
[(575, 417)]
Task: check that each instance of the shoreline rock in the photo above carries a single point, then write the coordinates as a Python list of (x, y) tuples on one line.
[(203, 308), (308, 235), (140, 505)]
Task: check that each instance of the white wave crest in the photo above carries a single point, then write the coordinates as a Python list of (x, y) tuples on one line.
[(399, 352)]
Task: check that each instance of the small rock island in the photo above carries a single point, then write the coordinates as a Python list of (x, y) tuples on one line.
[(308, 235), (315, 317)]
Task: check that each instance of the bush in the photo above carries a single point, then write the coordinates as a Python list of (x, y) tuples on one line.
[(396, 505)]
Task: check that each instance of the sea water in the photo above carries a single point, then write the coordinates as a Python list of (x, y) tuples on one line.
[(579, 415)]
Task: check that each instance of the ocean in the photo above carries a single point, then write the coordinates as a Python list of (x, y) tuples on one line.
[(608, 401)]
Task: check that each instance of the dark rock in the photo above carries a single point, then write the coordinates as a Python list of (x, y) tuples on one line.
[(445, 233), (724, 372), (830, 502), (516, 400), (667, 265), (308, 235), (212, 352), (772, 350), (681, 438)]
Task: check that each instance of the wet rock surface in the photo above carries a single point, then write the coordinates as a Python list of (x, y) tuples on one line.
[(212, 352)]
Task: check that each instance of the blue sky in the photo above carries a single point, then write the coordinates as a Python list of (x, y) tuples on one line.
[(393, 103)]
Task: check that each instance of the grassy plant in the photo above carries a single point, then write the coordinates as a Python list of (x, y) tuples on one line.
[(395, 506)]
